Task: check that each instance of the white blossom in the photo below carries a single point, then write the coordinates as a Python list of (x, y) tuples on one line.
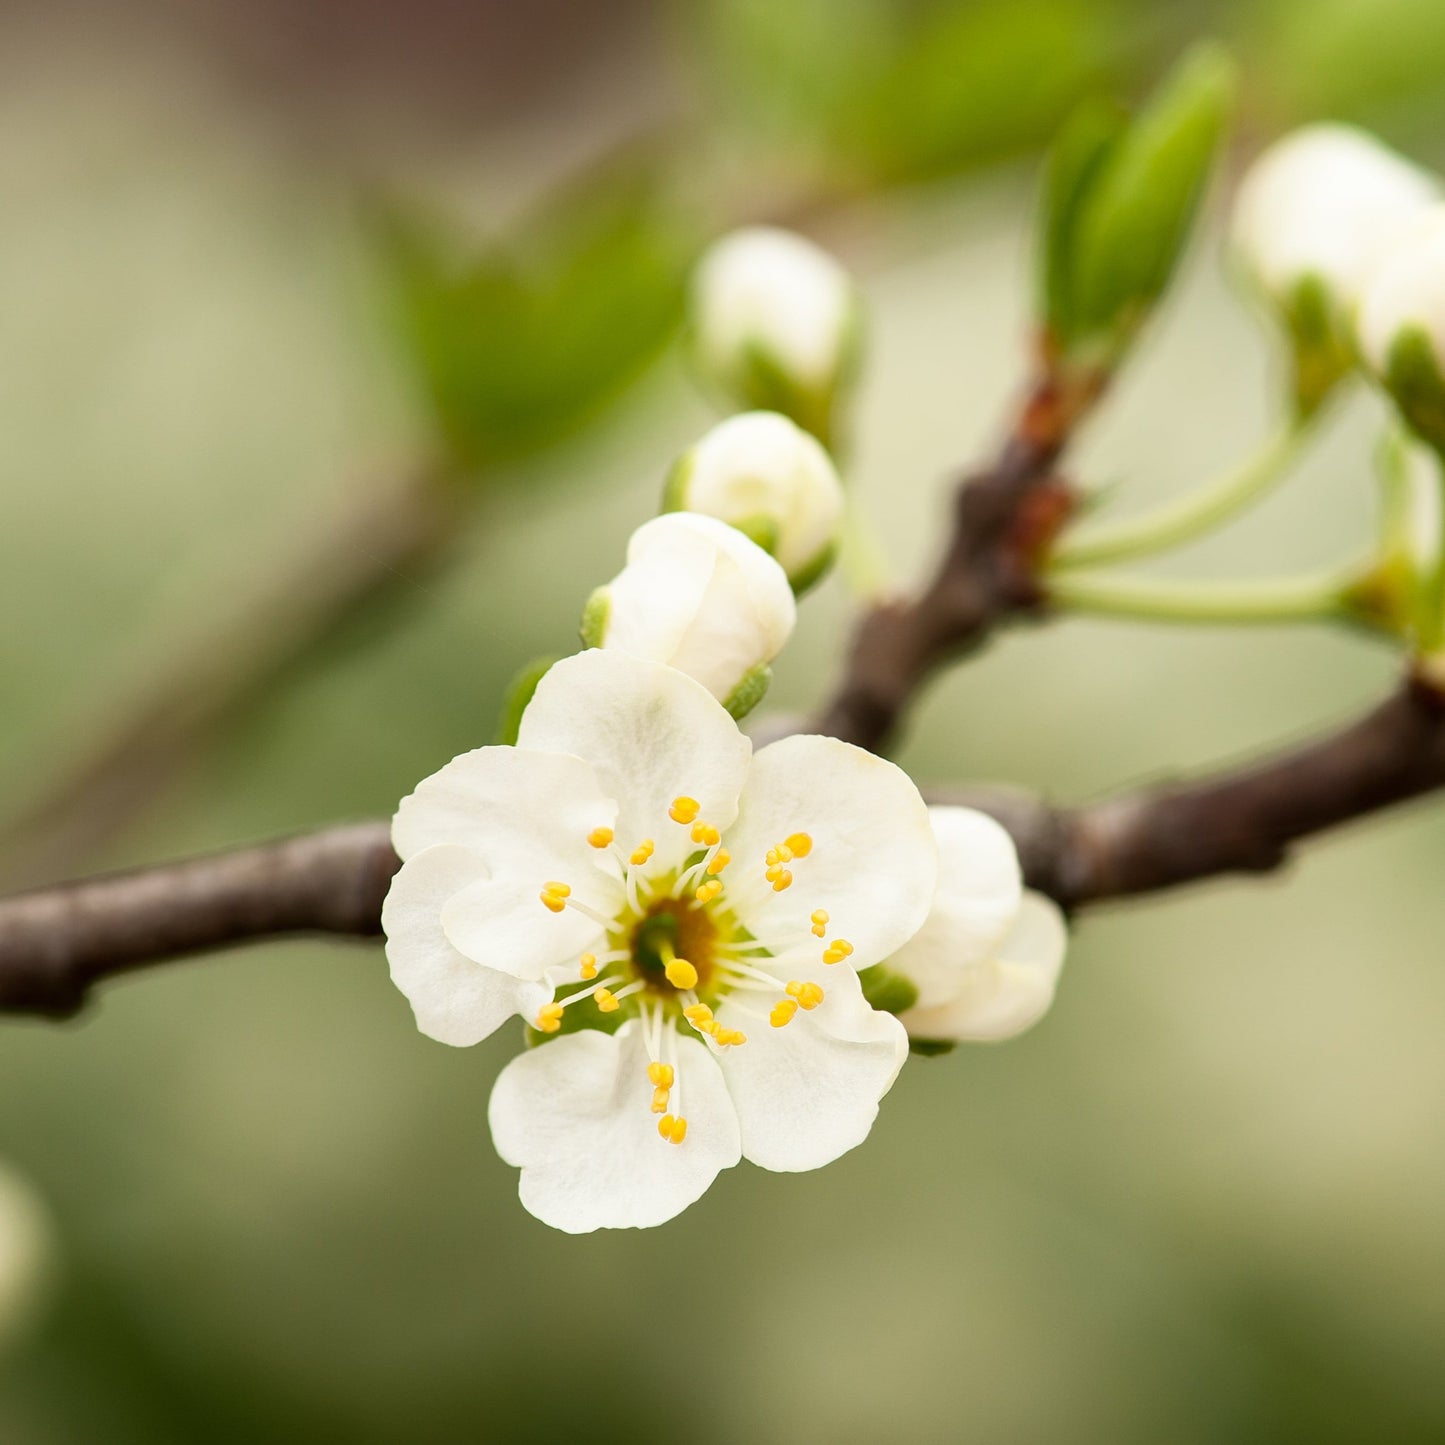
[(1322, 205), (775, 321), (699, 596), (987, 961), (770, 479), (632, 861), (1405, 293)]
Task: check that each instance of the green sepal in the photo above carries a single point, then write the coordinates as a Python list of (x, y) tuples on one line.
[(931, 1048), (674, 489), (578, 1017), (1323, 356), (886, 990), (1413, 378), (762, 529), (518, 695), (811, 573), (593, 627), (1132, 224), (749, 692)]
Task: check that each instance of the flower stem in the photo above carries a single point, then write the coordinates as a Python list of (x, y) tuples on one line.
[(1193, 515), (1321, 598)]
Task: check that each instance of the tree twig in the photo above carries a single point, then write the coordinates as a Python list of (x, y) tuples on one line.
[(56, 943)]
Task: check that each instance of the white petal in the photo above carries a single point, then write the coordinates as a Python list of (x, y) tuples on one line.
[(517, 810), (456, 1000), (656, 597), (874, 862), (1009, 994), (979, 889), (651, 735), (809, 1091), (503, 923), (575, 1116), (1406, 289)]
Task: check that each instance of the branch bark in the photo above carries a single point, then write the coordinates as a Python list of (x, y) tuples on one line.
[(56, 943)]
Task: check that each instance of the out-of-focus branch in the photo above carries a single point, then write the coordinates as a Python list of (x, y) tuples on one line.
[(1004, 519), (56, 943), (389, 538)]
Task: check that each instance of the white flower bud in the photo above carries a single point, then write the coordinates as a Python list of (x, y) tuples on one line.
[(986, 963), (1313, 218), (697, 595), (775, 323), (26, 1254), (771, 480)]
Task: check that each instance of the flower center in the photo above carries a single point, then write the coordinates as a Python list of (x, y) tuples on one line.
[(673, 946)]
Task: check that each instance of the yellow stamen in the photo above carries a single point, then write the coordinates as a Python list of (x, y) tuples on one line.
[(683, 810), (837, 951), (705, 834), (799, 844), (659, 1101), (600, 837), (808, 995), (589, 965), (783, 1012), (660, 1075), (730, 1036), (673, 1130), (642, 852), (720, 860), (549, 1018), (606, 1000), (681, 974), (560, 889), (782, 881), (552, 901), (699, 1015), (773, 872), (708, 891), (820, 921)]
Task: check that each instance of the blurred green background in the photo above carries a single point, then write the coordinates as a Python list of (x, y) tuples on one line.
[(1201, 1202)]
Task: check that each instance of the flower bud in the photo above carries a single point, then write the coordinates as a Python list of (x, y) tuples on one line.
[(771, 480), (775, 324), (986, 962), (1313, 217), (1400, 327), (697, 595)]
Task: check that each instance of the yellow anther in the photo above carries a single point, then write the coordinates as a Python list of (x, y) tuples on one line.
[(782, 1012), (606, 1000), (681, 974), (642, 852), (785, 854), (659, 1101), (554, 901), (600, 837), (661, 1075), (837, 951), (549, 1018), (808, 995), (683, 810), (699, 1015), (771, 858), (820, 921), (783, 880), (705, 834), (560, 889), (773, 872), (673, 1130), (799, 844), (708, 891), (730, 1036), (720, 860)]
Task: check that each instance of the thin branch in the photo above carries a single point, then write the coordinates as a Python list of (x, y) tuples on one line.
[(56, 943)]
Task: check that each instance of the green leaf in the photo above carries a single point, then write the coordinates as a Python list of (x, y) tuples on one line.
[(1082, 146), (519, 694), (593, 629), (1136, 217), (524, 340)]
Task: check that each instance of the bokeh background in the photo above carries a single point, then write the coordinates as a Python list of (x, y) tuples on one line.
[(1200, 1202)]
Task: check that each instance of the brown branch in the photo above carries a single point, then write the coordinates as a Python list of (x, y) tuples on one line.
[(56, 943), (1003, 521)]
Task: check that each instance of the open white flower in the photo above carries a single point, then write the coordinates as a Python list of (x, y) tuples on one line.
[(1322, 205), (987, 961), (770, 479), (775, 323), (699, 596), (713, 903)]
